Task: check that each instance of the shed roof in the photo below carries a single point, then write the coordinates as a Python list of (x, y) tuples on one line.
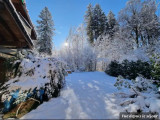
[(16, 28)]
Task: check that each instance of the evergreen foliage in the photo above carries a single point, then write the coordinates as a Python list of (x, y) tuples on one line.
[(112, 24), (99, 21), (45, 32), (89, 22), (96, 22), (114, 68), (129, 70), (155, 62)]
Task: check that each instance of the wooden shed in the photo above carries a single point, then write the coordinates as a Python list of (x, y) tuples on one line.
[(16, 29)]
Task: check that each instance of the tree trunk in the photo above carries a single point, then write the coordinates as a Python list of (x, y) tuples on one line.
[(136, 31)]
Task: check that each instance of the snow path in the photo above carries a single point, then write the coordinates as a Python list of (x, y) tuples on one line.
[(86, 96)]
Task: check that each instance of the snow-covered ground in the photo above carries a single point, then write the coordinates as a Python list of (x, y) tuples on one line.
[(86, 96)]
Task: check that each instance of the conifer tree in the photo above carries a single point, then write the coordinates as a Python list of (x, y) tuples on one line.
[(45, 32), (89, 22), (96, 22), (112, 24), (99, 21)]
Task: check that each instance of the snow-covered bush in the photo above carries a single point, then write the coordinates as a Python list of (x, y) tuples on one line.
[(129, 69), (121, 82), (142, 84), (41, 78), (139, 84), (140, 95)]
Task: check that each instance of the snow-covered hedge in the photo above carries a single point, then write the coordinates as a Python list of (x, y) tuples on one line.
[(41, 78)]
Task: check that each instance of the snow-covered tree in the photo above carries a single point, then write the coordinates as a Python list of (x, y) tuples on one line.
[(140, 21), (45, 32), (109, 49), (129, 18), (150, 22), (76, 52)]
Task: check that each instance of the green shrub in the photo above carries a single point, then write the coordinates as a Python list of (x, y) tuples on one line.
[(114, 69), (155, 73), (129, 69)]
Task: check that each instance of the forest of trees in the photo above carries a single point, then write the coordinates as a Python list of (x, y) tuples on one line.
[(134, 35), (138, 19)]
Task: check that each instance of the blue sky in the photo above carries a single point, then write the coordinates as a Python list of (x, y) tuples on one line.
[(69, 13)]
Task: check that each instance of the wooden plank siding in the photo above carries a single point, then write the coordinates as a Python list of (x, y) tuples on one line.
[(2, 73)]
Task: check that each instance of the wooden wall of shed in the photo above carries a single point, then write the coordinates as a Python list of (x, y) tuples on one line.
[(2, 71)]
